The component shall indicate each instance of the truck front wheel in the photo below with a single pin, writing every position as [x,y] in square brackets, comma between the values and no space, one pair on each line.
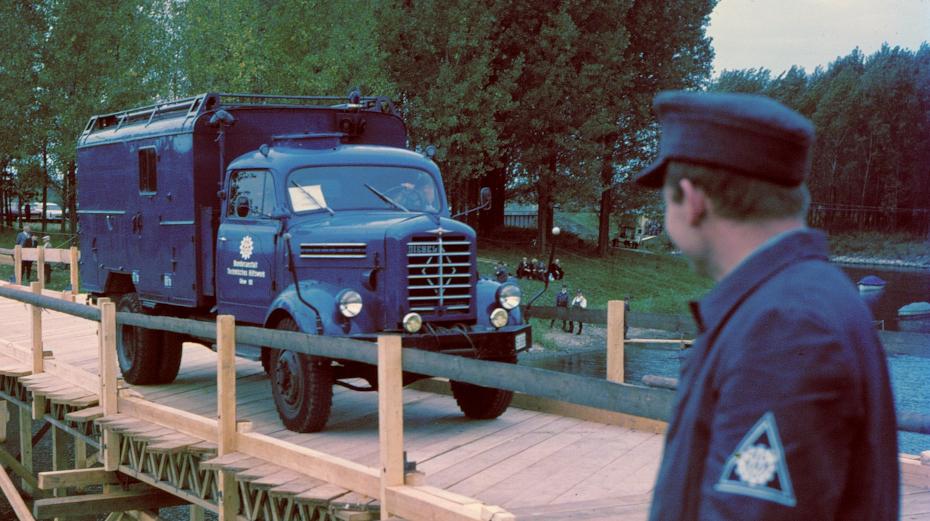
[302,386]
[481,403]
[145,356]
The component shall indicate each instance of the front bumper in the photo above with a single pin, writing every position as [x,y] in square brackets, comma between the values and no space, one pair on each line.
[474,342]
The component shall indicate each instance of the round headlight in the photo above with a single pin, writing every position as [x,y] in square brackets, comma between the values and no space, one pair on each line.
[499,318]
[350,303]
[509,296]
[412,322]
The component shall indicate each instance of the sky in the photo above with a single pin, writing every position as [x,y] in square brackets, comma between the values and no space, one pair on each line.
[777,34]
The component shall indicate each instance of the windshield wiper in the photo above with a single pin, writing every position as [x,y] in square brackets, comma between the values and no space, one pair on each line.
[314,199]
[385,198]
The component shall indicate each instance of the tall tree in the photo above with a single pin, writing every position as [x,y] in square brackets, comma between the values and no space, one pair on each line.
[668,49]
[442,61]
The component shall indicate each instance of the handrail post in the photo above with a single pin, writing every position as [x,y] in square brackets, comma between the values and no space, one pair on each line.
[18,264]
[108,382]
[38,352]
[390,416]
[615,339]
[40,265]
[75,284]
[226,412]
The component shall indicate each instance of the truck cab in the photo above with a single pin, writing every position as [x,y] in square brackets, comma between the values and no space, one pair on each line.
[298,213]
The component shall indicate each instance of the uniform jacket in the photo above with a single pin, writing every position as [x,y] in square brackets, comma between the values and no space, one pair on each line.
[25,240]
[561,299]
[784,409]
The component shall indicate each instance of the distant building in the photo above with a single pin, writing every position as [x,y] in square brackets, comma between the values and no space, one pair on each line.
[521,215]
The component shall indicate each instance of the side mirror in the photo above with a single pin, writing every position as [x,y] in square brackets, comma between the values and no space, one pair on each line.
[485,196]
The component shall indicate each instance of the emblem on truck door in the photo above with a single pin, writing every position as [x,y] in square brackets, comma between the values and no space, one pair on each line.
[245,247]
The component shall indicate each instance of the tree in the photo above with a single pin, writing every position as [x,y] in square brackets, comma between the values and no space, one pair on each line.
[668,49]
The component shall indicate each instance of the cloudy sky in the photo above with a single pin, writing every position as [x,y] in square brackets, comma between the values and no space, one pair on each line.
[777,34]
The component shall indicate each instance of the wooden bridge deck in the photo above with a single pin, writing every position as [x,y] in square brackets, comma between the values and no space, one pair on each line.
[533,464]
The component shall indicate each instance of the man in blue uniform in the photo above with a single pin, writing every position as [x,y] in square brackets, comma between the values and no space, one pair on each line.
[784,408]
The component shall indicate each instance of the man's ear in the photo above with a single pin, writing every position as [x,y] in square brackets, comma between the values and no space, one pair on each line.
[694,201]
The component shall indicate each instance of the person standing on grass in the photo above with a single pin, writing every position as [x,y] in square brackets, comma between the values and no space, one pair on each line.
[784,409]
[579,302]
[561,302]
[26,239]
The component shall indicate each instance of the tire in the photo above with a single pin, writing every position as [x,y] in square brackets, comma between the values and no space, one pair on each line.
[171,351]
[302,386]
[138,350]
[481,403]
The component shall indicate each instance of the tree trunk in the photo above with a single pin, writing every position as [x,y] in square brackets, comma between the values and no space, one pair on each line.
[44,187]
[544,208]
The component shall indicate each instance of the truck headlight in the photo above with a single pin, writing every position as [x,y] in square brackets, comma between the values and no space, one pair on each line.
[499,318]
[412,322]
[509,296]
[350,303]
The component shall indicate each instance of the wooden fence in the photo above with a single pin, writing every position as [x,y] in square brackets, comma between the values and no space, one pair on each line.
[41,256]
[388,483]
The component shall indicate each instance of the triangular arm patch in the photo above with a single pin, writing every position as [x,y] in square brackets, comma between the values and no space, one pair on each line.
[757,467]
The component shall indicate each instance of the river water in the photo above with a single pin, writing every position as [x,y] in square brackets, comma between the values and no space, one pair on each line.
[908,373]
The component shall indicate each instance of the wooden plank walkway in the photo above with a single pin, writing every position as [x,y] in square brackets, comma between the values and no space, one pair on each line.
[538,466]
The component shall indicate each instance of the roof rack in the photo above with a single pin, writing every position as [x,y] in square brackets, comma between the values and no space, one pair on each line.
[199,104]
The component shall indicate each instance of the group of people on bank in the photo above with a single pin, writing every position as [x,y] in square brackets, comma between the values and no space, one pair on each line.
[537,270]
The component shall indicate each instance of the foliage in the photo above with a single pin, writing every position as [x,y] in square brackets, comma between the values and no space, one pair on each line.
[870,163]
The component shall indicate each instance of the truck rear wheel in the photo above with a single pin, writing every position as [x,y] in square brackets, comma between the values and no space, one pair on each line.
[481,403]
[144,355]
[302,386]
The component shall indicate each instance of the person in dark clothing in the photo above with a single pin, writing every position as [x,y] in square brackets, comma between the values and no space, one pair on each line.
[555,270]
[541,272]
[523,269]
[561,301]
[500,272]
[531,270]
[784,409]
[26,239]
[626,316]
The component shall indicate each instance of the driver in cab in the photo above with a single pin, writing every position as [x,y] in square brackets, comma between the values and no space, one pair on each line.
[419,196]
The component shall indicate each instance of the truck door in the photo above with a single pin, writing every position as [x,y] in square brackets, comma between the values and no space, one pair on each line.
[246,244]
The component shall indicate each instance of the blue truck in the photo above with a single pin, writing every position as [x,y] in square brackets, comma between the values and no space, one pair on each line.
[289,212]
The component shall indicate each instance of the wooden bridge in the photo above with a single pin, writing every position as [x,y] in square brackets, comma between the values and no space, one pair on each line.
[212,439]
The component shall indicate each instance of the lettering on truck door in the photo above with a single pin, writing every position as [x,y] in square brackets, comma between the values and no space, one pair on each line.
[245,250]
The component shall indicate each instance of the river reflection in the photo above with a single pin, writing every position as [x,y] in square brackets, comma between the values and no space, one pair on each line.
[902,287]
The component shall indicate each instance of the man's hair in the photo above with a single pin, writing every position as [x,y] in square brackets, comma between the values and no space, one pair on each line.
[739,197]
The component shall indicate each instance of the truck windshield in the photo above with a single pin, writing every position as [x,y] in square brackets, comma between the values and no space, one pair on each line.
[344,188]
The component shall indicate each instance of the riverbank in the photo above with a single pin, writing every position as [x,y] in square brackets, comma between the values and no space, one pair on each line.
[893,250]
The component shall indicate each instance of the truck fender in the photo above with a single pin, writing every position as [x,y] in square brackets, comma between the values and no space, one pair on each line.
[288,303]
[486,294]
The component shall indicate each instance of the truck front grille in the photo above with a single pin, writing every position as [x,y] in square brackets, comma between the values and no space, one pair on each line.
[332,250]
[439,274]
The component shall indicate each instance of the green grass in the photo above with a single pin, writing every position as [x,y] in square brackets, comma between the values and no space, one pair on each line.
[880,245]
[60,272]
[657,283]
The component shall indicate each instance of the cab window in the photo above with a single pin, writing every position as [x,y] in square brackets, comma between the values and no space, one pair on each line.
[251,194]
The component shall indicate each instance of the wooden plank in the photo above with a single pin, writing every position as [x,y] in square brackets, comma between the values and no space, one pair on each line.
[12,496]
[138,498]
[390,416]
[615,318]
[24,473]
[73,257]
[18,264]
[77,478]
[38,356]
[226,383]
